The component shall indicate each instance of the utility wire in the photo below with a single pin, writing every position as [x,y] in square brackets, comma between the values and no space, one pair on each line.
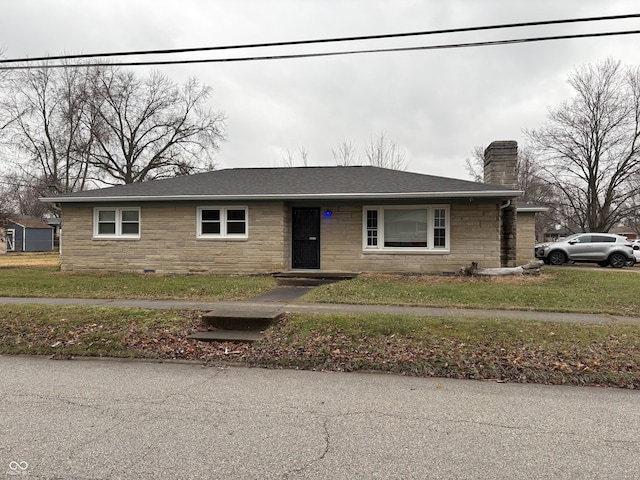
[328,54]
[325,40]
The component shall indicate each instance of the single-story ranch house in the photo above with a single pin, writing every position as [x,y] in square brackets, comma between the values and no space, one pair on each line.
[325,219]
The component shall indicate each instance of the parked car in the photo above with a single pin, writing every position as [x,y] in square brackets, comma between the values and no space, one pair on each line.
[635,244]
[601,248]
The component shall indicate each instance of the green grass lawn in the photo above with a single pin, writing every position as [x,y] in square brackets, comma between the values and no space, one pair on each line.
[48,281]
[498,349]
[561,290]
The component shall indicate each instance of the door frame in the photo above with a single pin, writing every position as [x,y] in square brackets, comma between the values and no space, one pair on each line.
[11,245]
[317,238]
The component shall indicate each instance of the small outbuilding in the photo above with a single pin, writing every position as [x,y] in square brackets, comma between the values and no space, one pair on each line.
[27,234]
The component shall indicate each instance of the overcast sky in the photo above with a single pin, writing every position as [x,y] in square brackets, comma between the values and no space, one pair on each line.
[436,105]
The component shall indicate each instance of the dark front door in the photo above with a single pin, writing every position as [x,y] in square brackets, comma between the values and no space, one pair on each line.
[306,238]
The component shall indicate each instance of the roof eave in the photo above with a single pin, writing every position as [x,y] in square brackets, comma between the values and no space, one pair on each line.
[305,196]
[532,209]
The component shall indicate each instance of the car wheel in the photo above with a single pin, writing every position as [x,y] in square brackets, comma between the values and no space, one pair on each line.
[630,263]
[557,258]
[617,260]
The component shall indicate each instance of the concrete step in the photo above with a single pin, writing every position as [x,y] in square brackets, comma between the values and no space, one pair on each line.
[245,317]
[311,279]
[227,336]
[316,274]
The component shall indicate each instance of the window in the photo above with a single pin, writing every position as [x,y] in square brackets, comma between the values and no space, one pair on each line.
[116,223]
[406,228]
[372,228]
[222,222]
[602,238]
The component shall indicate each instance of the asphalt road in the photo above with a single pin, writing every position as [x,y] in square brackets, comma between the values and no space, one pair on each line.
[93,419]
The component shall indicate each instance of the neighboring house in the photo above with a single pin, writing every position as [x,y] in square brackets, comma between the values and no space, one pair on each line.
[555,235]
[266,220]
[26,234]
[628,232]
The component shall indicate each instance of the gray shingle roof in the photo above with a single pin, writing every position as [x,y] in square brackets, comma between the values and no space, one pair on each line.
[294,182]
[29,222]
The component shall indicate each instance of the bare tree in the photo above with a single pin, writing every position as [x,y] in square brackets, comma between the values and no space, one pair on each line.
[151,128]
[475,164]
[289,157]
[304,155]
[590,147]
[47,109]
[5,118]
[21,196]
[385,153]
[345,154]
[536,189]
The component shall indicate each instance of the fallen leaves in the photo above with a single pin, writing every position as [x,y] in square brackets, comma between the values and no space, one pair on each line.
[579,355]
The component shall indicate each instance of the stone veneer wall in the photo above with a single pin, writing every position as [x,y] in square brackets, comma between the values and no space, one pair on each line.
[526,237]
[474,236]
[168,243]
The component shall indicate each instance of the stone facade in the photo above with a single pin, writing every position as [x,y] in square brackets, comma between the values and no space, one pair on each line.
[168,243]
[473,237]
[500,162]
[526,237]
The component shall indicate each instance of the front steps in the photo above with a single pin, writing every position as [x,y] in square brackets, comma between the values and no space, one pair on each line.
[311,278]
[229,322]
[240,323]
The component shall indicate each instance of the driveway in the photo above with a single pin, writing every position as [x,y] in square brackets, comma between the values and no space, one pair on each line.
[92,419]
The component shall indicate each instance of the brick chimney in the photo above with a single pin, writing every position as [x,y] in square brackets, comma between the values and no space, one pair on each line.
[500,159]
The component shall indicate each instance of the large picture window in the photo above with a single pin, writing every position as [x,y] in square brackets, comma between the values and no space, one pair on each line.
[406,228]
[222,222]
[116,223]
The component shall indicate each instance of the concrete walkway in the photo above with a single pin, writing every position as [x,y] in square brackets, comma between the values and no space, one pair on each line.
[295,306]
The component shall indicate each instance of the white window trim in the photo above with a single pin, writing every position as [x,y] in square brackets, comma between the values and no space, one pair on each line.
[429,249]
[118,221]
[223,235]
[11,245]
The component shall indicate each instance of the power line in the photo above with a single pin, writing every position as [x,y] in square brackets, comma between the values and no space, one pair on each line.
[325,40]
[329,54]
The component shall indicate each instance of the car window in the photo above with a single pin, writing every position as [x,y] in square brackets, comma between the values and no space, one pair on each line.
[602,238]
[583,239]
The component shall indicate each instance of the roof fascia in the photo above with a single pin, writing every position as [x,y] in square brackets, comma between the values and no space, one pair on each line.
[532,209]
[304,196]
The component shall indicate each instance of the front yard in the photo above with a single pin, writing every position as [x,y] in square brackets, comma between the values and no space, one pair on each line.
[492,349]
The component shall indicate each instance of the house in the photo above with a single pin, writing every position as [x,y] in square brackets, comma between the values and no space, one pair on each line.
[265,220]
[555,235]
[629,232]
[27,234]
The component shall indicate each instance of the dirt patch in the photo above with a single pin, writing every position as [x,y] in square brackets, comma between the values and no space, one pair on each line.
[47,259]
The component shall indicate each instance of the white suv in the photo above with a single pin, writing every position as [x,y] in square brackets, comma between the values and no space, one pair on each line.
[601,248]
